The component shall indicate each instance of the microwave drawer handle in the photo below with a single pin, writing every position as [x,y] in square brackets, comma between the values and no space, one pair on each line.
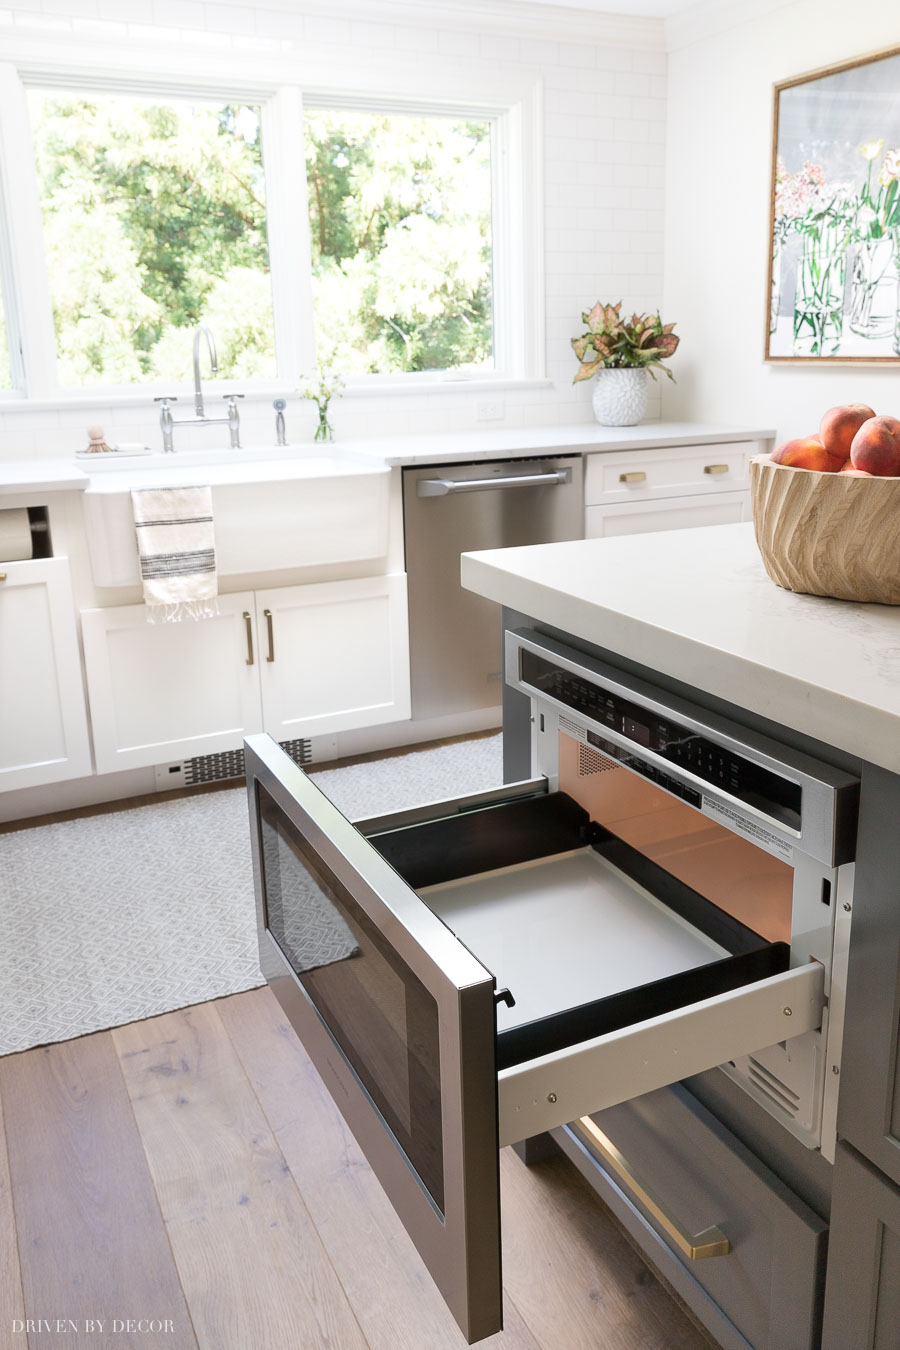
[448,487]
[695,1246]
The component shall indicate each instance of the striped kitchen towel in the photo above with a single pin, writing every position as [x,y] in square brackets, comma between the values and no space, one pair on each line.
[177,551]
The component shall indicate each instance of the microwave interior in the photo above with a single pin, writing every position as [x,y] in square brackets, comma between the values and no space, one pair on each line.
[600,905]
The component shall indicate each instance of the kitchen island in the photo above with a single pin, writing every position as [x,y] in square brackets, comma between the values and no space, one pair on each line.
[695,614]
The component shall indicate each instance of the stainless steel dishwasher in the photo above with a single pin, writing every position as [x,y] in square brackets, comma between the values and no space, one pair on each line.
[455,638]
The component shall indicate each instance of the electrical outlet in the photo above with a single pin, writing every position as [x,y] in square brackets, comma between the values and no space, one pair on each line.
[491,410]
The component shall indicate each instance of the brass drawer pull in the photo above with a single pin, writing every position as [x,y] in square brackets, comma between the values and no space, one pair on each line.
[2,576]
[271,635]
[695,1246]
[715,468]
[249,637]
[635,476]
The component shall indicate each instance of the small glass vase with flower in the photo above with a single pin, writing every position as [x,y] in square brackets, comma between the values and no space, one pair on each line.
[324,385]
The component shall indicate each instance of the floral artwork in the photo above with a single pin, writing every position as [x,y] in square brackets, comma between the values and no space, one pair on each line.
[834,264]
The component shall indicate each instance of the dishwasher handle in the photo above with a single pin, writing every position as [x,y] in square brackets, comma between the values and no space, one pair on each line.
[447,487]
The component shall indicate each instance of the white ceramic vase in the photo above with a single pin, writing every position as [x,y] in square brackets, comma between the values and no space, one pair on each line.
[620,397]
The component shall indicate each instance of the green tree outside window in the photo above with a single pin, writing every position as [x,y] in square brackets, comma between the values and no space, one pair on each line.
[400,225]
[154,221]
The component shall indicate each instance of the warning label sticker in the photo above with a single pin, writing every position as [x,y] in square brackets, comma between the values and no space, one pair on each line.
[749,829]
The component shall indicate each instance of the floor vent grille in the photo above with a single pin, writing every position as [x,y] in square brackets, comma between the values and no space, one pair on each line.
[230,763]
[772,1087]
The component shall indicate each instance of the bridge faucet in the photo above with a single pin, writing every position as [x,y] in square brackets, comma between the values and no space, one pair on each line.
[203,331]
[232,420]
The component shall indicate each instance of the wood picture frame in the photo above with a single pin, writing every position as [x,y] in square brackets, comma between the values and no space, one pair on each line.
[833,292]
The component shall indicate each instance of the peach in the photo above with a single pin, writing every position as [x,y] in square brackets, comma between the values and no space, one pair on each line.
[854,473]
[806,452]
[839,425]
[876,447]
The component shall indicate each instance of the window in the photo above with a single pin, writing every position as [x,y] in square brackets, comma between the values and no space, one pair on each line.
[401,241]
[154,218]
[140,205]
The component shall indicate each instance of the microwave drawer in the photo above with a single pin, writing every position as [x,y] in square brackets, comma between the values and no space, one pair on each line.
[471,973]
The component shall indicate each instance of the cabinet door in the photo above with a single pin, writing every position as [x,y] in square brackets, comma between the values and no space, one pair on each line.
[333,656]
[862,1292]
[170,690]
[43,726]
[672,513]
[869,1101]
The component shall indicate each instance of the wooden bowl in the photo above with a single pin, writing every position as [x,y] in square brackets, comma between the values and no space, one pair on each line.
[828,533]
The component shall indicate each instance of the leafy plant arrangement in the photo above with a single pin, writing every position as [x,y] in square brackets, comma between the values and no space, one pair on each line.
[324,385]
[614,343]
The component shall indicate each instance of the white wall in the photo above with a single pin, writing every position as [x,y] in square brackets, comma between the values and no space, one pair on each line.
[718,167]
[604,134]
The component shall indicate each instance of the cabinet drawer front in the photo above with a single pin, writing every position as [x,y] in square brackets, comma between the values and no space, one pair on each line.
[666,513]
[665,472]
[688,1172]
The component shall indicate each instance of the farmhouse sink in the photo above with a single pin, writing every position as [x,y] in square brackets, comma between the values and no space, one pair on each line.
[273,508]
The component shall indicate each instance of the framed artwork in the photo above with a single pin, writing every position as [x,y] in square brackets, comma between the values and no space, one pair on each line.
[834,255]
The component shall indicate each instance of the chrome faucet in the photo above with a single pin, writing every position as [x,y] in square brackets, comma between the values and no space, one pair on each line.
[203,331]
[232,420]
[279,405]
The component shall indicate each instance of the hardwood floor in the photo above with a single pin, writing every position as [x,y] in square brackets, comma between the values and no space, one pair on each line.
[189,1175]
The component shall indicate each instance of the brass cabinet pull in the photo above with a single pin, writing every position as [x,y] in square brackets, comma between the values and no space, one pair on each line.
[635,476]
[249,637]
[271,635]
[2,576]
[695,1246]
[715,468]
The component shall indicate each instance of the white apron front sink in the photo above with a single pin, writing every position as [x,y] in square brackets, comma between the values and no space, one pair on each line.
[273,508]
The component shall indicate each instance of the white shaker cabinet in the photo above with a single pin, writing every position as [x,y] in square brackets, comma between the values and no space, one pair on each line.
[334,656]
[170,690]
[673,513]
[667,488]
[43,725]
[295,661]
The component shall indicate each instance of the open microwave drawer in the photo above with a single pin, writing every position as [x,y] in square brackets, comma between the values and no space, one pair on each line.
[397,946]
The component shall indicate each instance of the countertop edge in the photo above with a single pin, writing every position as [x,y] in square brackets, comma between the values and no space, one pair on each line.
[784,699]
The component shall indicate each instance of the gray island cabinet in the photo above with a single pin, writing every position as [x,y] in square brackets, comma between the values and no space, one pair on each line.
[808,1250]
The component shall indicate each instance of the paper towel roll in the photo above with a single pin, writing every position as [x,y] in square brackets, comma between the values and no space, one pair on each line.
[15,535]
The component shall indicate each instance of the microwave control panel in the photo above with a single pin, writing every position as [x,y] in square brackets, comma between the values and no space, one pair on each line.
[777,797]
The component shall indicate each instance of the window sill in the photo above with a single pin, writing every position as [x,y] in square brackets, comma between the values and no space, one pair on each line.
[87,399]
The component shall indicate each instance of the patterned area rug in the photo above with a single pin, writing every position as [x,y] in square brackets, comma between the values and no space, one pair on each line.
[112,918]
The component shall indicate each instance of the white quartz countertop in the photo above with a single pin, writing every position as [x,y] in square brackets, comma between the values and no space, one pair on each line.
[697,606]
[21,476]
[581,439]
[18,477]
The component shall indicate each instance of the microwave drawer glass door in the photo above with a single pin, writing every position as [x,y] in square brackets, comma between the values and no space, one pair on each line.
[398,1018]
[385,942]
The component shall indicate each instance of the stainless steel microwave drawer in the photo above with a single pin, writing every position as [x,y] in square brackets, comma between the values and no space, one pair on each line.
[471,973]
[743,1251]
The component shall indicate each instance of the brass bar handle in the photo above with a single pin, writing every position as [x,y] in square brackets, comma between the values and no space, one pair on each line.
[2,576]
[635,476]
[715,468]
[249,637]
[271,635]
[695,1246]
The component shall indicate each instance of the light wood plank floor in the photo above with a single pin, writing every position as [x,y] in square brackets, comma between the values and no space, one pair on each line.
[190,1174]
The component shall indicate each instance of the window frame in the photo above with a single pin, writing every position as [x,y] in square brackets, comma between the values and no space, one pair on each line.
[513,106]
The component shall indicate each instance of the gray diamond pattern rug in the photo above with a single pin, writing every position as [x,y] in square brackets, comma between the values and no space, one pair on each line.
[111,918]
